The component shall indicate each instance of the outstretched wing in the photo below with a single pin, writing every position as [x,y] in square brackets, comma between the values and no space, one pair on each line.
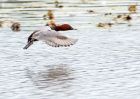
[60,41]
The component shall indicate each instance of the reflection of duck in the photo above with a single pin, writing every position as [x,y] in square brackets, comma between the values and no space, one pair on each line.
[57,72]
[52,76]
[132,8]
[49,15]
[50,37]
[104,25]
[15,26]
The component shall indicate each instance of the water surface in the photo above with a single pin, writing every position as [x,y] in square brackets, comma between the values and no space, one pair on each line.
[103,64]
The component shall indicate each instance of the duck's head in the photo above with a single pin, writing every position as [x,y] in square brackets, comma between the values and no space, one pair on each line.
[128,18]
[15,27]
[110,24]
[31,39]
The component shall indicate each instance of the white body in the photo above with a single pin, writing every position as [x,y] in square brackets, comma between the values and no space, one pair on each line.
[50,37]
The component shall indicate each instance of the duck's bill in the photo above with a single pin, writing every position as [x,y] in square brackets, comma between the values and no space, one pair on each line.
[28,45]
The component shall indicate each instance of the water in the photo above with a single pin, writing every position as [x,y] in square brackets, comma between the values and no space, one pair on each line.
[103,64]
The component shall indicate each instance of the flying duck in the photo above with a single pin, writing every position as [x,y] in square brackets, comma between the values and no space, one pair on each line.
[50,37]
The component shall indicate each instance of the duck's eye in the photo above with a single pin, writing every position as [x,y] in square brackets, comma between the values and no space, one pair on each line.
[35,40]
[16,27]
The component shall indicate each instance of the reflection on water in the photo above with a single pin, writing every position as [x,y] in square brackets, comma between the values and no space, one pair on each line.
[101,65]
[52,75]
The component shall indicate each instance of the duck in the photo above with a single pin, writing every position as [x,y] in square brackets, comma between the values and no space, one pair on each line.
[14,25]
[122,18]
[108,14]
[57,4]
[132,8]
[59,27]
[50,37]
[128,18]
[104,25]
[1,23]
[91,11]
